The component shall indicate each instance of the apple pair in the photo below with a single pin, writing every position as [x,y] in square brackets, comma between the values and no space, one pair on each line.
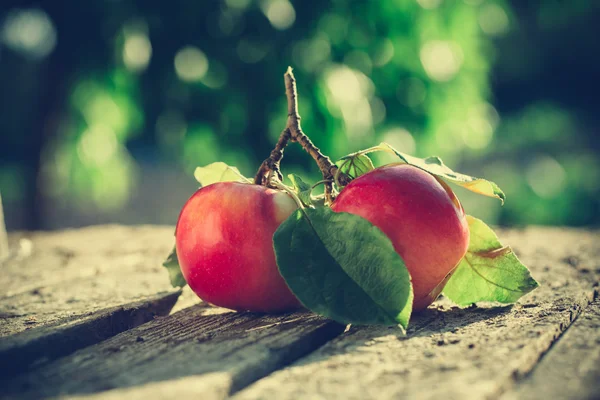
[225,230]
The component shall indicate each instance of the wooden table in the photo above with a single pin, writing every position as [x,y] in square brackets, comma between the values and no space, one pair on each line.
[89,313]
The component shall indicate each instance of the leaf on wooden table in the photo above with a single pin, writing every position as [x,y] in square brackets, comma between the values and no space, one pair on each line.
[489,271]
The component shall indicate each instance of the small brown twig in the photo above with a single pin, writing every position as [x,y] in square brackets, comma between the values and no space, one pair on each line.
[272,164]
[293,132]
[328,169]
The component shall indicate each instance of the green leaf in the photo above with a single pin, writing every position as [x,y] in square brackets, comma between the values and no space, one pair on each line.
[218,172]
[435,166]
[172,266]
[302,189]
[355,165]
[341,266]
[489,271]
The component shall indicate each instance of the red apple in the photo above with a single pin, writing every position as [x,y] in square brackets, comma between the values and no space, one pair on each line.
[224,240]
[422,217]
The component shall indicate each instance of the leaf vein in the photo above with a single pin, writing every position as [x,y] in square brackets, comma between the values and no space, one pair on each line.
[488,280]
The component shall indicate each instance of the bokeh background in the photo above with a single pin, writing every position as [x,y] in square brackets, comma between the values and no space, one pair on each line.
[107,106]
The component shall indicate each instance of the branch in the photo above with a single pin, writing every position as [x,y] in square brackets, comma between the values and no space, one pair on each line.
[328,169]
[272,164]
[270,168]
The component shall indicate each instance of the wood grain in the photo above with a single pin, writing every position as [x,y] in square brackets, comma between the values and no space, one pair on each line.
[475,353]
[571,369]
[54,276]
[483,352]
[220,353]
[41,345]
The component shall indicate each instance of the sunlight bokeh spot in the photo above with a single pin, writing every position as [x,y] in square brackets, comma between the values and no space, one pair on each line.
[400,138]
[97,145]
[359,60]
[103,108]
[546,177]
[493,20]
[216,77]
[312,54]
[281,13]
[335,26]
[345,85]
[441,59]
[227,22]
[378,110]
[137,51]
[481,122]
[29,32]
[112,188]
[349,94]
[383,53]
[191,64]
[478,132]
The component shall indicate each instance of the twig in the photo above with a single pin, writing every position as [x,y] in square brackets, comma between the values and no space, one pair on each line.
[293,132]
[272,164]
[328,169]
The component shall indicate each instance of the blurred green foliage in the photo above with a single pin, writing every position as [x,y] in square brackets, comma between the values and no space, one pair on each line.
[180,84]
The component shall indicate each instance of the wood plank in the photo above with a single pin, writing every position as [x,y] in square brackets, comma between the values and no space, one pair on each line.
[571,369]
[214,355]
[41,345]
[52,276]
[452,353]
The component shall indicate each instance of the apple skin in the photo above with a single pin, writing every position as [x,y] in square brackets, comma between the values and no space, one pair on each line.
[422,217]
[224,241]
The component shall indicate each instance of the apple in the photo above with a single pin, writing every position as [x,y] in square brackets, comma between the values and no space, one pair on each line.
[422,217]
[224,240]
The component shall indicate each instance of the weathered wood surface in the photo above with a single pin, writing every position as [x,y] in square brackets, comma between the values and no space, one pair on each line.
[225,352]
[450,353]
[51,277]
[571,370]
[41,345]
[205,352]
